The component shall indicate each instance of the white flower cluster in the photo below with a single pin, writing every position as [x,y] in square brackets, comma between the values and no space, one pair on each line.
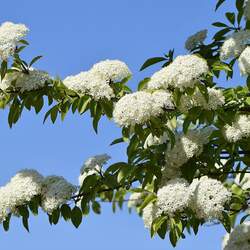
[235,44]
[215,100]
[239,238]
[195,40]
[208,198]
[187,146]
[173,196]
[244,61]
[92,166]
[183,72]
[113,70]
[240,129]
[205,197]
[150,213]
[33,80]
[90,83]
[27,184]
[139,107]
[21,189]
[10,35]
[247,9]
[56,191]
[96,81]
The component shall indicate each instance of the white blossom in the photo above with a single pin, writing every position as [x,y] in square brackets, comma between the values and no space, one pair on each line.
[91,83]
[92,166]
[173,196]
[215,100]
[34,79]
[183,72]
[240,129]
[56,191]
[187,146]
[239,238]
[112,70]
[244,61]
[235,44]
[19,191]
[195,40]
[150,213]
[208,198]
[139,107]
[10,35]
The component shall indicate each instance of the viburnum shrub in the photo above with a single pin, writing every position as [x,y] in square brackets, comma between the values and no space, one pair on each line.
[188,140]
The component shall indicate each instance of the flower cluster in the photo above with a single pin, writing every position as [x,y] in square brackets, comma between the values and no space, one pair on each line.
[172,197]
[10,35]
[183,72]
[195,40]
[244,61]
[240,129]
[239,238]
[208,198]
[92,166]
[186,147]
[90,83]
[55,192]
[150,213]
[205,197]
[139,107]
[26,184]
[21,189]
[25,81]
[215,100]
[113,70]
[96,81]
[235,44]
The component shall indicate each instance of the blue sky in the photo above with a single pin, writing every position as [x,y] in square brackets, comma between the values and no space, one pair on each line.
[72,35]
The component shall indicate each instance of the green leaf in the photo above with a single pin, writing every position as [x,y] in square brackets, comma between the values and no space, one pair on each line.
[34,205]
[152,61]
[219,24]
[116,141]
[149,199]
[55,216]
[6,223]
[4,66]
[143,84]
[26,223]
[35,59]
[23,42]
[226,222]
[231,17]
[219,3]
[83,103]
[66,212]
[239,5]
[76,216]
[96,207]
[123,173]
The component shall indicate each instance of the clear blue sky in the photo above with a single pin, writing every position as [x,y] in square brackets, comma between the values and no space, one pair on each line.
[72,35]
